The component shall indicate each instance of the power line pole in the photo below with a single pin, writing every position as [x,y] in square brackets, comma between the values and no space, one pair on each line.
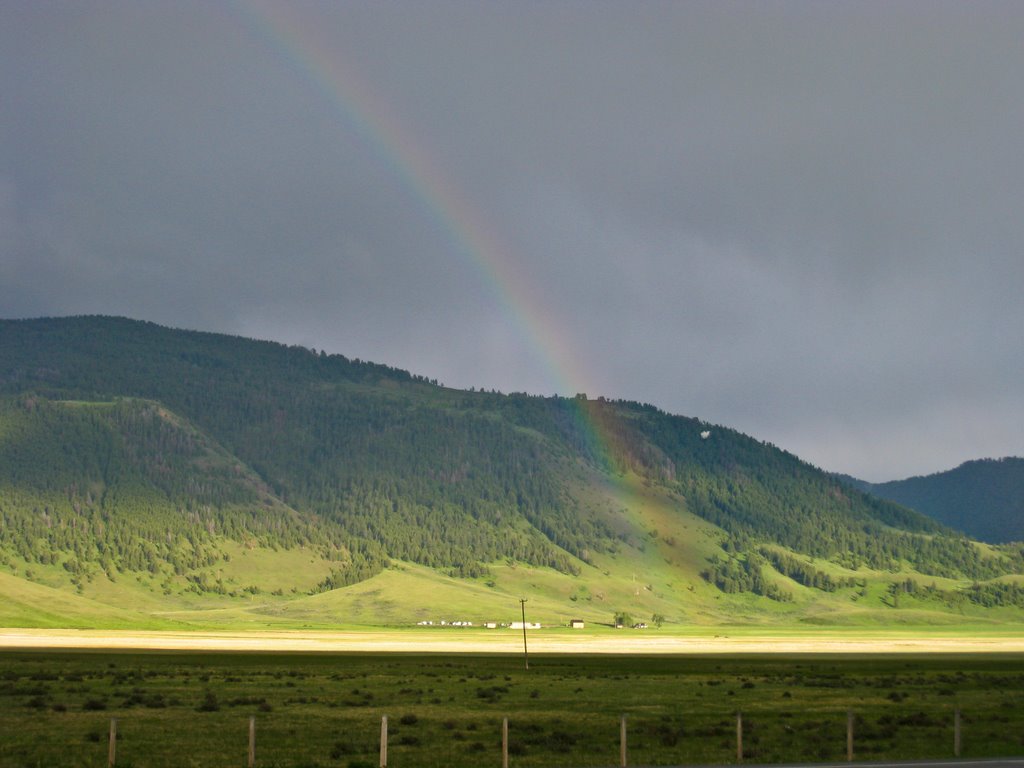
[526,657]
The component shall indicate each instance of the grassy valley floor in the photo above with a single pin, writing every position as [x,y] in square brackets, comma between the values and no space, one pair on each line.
[315,710]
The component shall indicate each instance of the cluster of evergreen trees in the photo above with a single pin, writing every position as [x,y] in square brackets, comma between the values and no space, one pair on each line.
[122,486]
[992,594]
[804,573]
[371,454]
[743,574]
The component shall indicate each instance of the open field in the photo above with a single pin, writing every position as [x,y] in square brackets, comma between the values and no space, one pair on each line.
[324,709]
[551,641]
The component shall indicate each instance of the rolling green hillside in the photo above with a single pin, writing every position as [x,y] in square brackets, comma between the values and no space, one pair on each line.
[198,478]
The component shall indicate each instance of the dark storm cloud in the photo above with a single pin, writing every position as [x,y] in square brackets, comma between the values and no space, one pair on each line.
[799,219]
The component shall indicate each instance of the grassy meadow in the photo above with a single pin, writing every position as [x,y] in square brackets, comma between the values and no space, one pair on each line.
[659,574]
[193,709]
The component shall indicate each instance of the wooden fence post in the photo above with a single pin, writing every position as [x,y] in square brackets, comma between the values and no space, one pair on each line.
[252,742]
[622,742]
[384,741]
[504,743]
[739,737]
[956,732]
[849,735]
[112,744]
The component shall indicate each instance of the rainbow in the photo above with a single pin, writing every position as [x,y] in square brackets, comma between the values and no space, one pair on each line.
[286,32]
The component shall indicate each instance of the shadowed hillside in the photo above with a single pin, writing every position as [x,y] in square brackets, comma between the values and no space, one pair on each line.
[984,499]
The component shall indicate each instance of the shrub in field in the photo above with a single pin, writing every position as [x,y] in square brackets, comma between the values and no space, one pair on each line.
[209,703]
[340,749]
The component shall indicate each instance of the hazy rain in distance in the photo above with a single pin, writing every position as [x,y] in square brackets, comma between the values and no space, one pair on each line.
[801,220]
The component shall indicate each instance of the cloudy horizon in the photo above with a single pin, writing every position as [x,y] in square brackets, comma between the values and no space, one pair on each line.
[800,220]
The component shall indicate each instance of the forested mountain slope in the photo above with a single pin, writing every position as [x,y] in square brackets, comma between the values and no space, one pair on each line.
[984,498]
[129,448]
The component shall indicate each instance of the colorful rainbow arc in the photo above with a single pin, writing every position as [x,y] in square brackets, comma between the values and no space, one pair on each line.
[299,40]
[281,28]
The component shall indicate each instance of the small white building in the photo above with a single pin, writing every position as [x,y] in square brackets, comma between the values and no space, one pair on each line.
[576,623]
[529,625]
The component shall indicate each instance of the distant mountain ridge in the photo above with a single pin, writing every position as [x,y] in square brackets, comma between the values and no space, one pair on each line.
[197,470]
[983,498]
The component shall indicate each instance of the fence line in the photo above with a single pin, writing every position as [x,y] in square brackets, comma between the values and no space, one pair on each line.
[504,742]
[739,737]
[849,735]
[622,742]
[623,748]
[112,743]
[252,742]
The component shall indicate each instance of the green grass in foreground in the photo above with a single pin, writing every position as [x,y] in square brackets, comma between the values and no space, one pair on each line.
[192,709]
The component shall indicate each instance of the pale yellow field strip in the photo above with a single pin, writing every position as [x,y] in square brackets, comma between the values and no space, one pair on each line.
[495,642]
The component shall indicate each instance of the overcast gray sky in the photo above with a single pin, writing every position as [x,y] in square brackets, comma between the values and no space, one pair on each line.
[801,220]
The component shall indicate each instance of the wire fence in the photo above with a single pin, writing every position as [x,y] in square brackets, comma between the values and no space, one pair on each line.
[762,738]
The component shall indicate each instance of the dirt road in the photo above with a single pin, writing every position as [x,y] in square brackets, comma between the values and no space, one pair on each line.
[500,641]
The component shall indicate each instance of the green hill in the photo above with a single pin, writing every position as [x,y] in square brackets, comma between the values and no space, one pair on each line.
[199,478]
[984,498]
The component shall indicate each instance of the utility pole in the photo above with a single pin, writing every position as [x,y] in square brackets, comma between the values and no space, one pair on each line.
[526,656]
